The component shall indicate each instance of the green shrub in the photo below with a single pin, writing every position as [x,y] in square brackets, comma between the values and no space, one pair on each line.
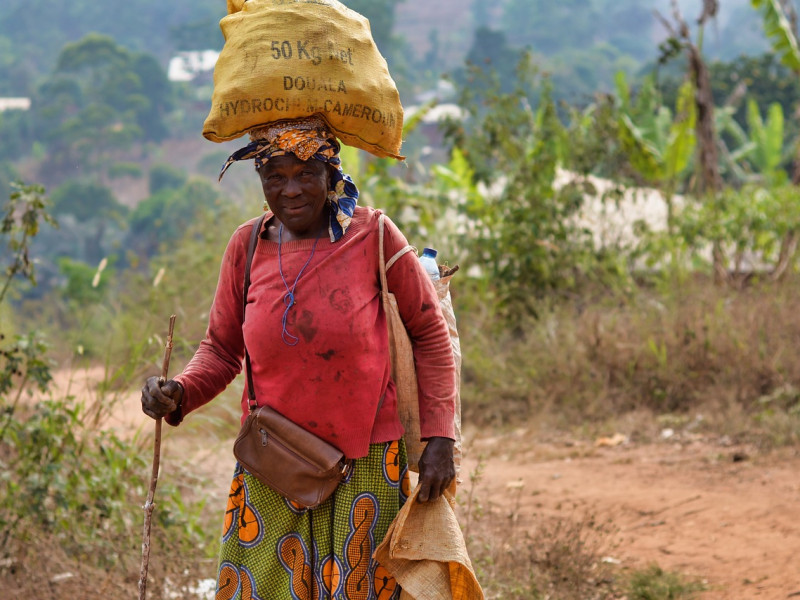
[653,583]
[63,478]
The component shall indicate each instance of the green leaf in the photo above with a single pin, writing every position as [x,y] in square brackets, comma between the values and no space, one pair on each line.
[767,139]
[779,30]
[774,135]
[681,141]
[644,156]
[623,92]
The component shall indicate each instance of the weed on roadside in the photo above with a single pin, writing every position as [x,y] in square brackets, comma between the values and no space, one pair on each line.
[70,509]
[703,349]
[558,558]
[653,583]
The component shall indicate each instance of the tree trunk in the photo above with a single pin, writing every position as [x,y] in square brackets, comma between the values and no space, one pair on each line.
[788,251]
[709,180]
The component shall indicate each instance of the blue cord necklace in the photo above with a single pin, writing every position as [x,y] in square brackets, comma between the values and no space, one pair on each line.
[289,299]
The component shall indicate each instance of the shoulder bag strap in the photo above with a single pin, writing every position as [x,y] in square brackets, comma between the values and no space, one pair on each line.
[251,250]
[384,265]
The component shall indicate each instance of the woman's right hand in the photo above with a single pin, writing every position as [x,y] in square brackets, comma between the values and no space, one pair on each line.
[160,399]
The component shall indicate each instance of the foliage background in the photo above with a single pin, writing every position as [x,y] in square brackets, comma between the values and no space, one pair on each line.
[567,116]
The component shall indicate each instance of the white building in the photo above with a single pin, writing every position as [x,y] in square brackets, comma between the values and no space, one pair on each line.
[185,66]
[14,104]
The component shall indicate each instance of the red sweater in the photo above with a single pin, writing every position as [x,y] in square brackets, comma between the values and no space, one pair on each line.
[330,383]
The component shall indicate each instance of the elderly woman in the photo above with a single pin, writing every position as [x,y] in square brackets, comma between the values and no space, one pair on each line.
[315,331]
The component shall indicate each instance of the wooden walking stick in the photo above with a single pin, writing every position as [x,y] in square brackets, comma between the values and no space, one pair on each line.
[148,505]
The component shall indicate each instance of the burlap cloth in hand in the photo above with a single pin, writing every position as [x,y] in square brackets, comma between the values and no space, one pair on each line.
[424,550]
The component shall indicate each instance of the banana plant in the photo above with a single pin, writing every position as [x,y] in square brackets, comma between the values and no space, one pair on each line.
[733,160]
[759,151]
[780,31]
[659,145]
[784,43]
[767,139]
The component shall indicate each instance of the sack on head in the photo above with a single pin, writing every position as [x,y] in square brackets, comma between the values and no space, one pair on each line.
[287,59]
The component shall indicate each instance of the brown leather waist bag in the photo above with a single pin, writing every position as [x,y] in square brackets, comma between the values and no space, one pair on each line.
[287,458]
[292,461]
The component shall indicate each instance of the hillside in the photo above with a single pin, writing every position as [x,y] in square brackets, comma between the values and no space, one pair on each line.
[452,19]
[733,33]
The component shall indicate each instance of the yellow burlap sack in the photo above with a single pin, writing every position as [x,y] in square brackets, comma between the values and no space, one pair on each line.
[286,59]
[404,373]
[424,551]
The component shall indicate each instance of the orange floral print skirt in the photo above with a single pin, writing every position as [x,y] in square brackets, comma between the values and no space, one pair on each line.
[273,550]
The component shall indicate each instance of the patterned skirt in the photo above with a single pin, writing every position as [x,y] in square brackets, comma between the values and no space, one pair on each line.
[273,550]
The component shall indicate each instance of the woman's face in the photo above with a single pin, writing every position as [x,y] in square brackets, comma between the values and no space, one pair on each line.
[296,192]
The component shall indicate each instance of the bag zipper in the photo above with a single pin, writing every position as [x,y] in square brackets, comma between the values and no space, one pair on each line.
[275,440]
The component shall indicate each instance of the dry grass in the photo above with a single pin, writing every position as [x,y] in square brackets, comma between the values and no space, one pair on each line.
[729,355]
[559,558]
[40,568]
[518,555]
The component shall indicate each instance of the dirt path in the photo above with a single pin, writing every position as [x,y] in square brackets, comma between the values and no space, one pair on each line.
[688,507]
[720,513]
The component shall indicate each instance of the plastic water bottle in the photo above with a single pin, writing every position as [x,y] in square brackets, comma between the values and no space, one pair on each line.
[428,260]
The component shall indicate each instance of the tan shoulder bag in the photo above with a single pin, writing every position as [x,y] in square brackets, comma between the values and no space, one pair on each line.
[401,354]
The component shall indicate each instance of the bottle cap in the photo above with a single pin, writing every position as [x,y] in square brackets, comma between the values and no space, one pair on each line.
[429,252]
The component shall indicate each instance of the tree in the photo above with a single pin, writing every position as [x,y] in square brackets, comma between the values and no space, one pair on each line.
[490,52]
[581,43]
[659,145]
[708,180]
[38,29]
[100,100]
[16,133]
[734,84]
[154,86]
[766,149]
[780,25]
[94,207]
[24,213]
[166,177]
[760,78]
[197,35]
[16,75]
[22,358]
[549,27]
[524,233]
[167,214]
[380,14]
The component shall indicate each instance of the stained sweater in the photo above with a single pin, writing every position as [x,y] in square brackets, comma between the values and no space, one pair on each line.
[331,382]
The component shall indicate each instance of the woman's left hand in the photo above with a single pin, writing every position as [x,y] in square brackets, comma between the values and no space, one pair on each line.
[436,468]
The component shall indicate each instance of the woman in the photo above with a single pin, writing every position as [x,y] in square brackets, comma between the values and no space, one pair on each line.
[316,335]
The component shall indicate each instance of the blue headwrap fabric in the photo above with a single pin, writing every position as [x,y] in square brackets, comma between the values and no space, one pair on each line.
[305,138]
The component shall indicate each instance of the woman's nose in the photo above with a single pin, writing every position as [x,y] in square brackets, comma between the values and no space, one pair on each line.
[292,188]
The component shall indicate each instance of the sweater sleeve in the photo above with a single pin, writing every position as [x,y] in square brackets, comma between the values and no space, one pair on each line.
[419,308]
[218,359]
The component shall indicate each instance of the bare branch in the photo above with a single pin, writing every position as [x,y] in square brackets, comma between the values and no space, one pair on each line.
[149,504]
[667,25]
[683,28]
[710,9]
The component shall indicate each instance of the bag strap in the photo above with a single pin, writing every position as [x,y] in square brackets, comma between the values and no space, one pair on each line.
[385,266]
[251,250]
